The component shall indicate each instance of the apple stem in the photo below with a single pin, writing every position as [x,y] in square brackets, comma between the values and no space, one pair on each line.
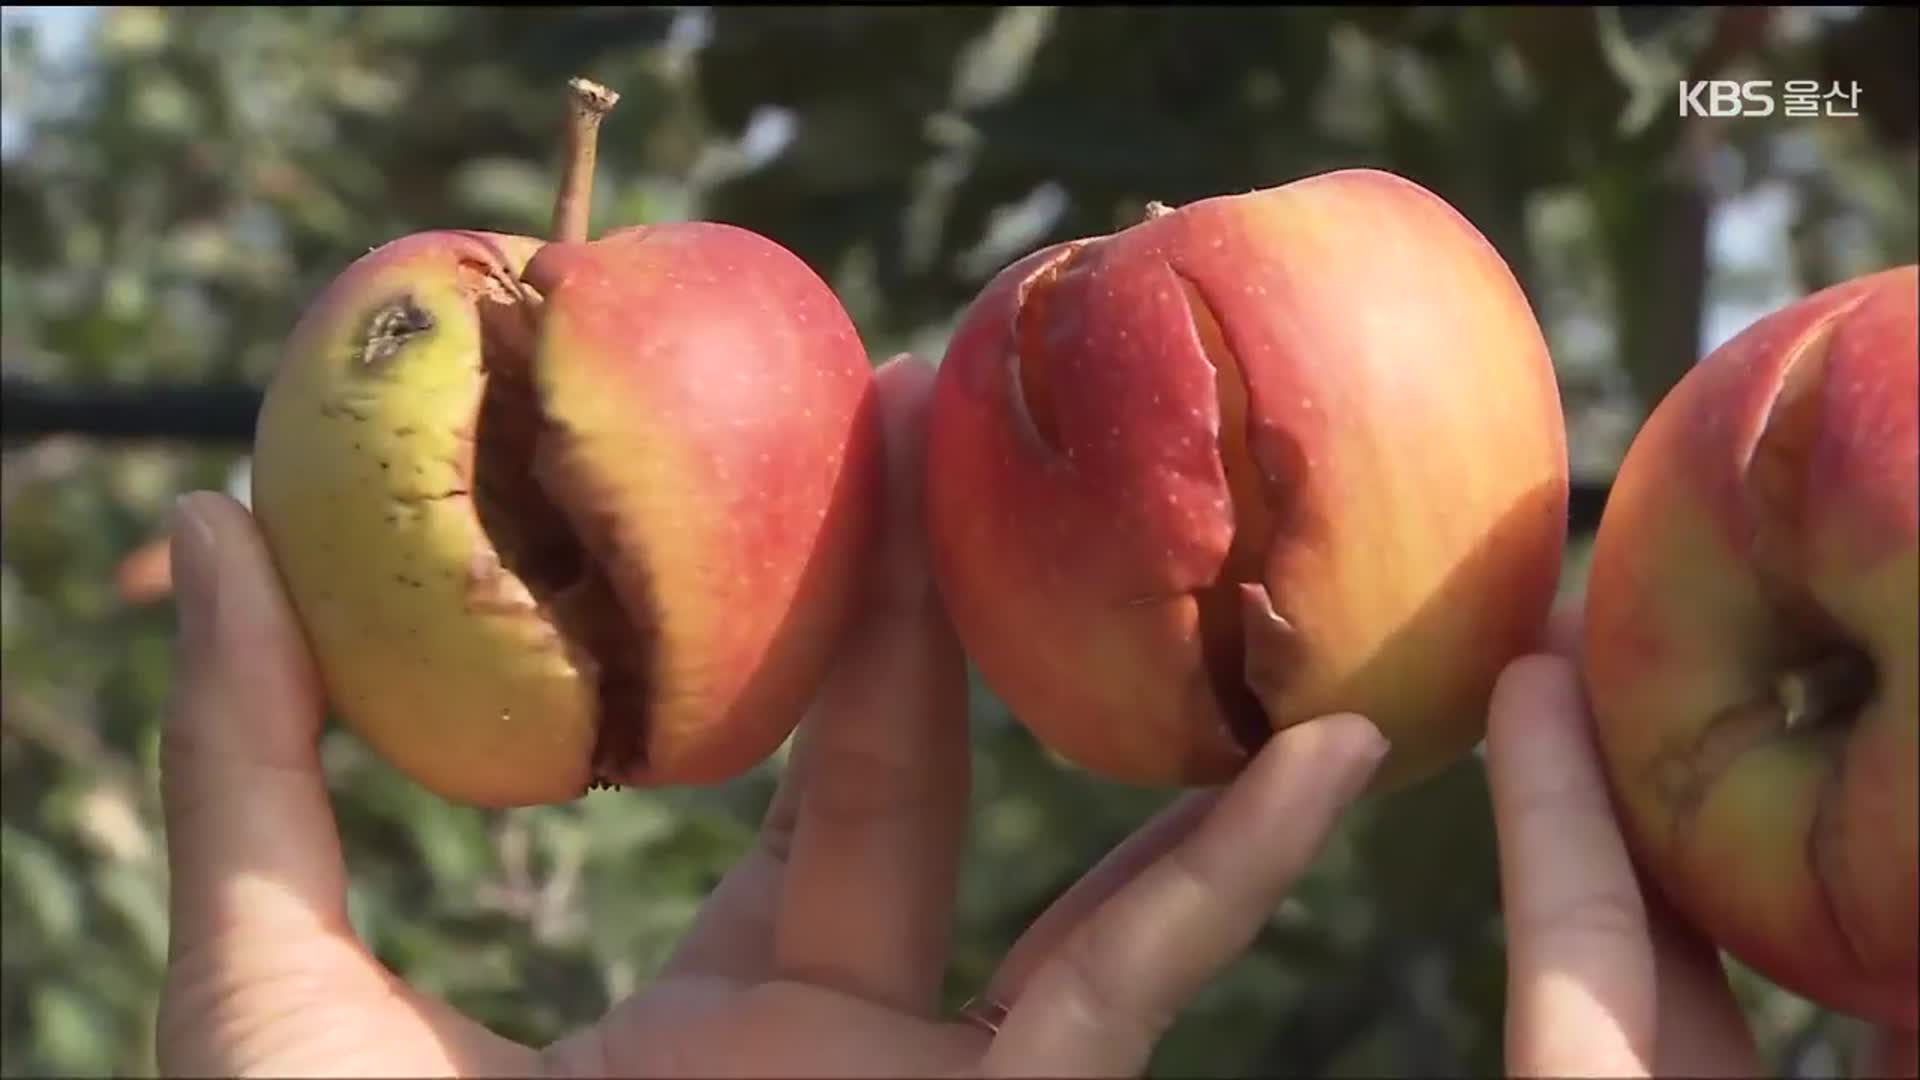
[587,103]
[1158,209]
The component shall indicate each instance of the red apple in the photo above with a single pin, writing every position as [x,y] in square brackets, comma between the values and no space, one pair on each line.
[1261,458]
[1750,646]
[561,512]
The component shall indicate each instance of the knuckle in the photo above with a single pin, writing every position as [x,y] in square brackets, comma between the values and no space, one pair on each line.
[1204,880]
[1099,998]
[1603,915]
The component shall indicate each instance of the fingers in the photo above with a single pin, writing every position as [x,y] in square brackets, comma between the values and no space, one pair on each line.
[1701,1031]
[866,905]
[251,842]
[1097,1004]
[1121,865]
[261,957]
[1563,629]
[733,936]
[1580,966]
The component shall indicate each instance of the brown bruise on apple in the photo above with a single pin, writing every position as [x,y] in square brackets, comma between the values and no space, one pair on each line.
[1821,682]
[538,563]
[1247,649]
[389,329]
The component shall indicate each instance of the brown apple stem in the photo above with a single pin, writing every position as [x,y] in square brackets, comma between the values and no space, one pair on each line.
[1830,689]
[587,103]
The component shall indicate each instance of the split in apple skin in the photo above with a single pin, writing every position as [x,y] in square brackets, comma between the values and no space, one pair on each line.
[1257,459]
[557,513]
[1751,643]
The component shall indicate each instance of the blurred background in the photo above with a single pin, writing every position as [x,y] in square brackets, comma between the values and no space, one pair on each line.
[176,182]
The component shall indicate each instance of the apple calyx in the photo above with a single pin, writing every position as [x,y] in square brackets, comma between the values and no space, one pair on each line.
[1801,701]
[1829,691]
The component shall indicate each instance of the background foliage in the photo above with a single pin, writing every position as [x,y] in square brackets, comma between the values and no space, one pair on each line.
[177,185]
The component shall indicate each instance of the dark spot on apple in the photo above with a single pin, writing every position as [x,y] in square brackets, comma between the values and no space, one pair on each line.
[348,403]
[389,329]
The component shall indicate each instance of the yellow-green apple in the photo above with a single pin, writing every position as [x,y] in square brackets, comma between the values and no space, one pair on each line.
[1260,458]
[563,513]
[1750,640]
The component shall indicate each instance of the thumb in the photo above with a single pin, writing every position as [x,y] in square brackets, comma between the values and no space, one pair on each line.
[251,842]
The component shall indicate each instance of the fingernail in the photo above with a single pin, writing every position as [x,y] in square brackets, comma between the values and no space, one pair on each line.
[195,580]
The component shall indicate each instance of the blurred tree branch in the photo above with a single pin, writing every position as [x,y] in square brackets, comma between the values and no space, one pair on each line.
[1662,270]
[224,415]
[185,412]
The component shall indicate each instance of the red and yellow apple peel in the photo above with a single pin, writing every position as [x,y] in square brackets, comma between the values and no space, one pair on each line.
[1750,646]
[1254,460]
[557,513]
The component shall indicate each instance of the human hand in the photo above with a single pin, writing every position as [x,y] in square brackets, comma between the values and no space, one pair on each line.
[1603,979]
[820,953]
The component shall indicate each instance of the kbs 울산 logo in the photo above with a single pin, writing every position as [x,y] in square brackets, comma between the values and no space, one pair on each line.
[1757,97]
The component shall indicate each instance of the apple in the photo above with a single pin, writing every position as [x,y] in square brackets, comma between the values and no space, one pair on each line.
[564,512]
[1250,461]
[1750,646]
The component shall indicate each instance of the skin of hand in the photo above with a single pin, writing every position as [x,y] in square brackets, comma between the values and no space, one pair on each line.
[822,950]
[1603,978]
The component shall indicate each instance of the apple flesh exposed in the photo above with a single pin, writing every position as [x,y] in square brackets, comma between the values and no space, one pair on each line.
[562,513]
[1262,458]
[1750,646]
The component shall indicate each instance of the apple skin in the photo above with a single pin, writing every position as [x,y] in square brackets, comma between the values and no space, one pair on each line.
[1750,531]
[1331,396]
[694,408]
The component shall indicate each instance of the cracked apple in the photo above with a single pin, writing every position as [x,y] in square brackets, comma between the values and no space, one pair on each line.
[1750,646]
[557,513]
[1251,461]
